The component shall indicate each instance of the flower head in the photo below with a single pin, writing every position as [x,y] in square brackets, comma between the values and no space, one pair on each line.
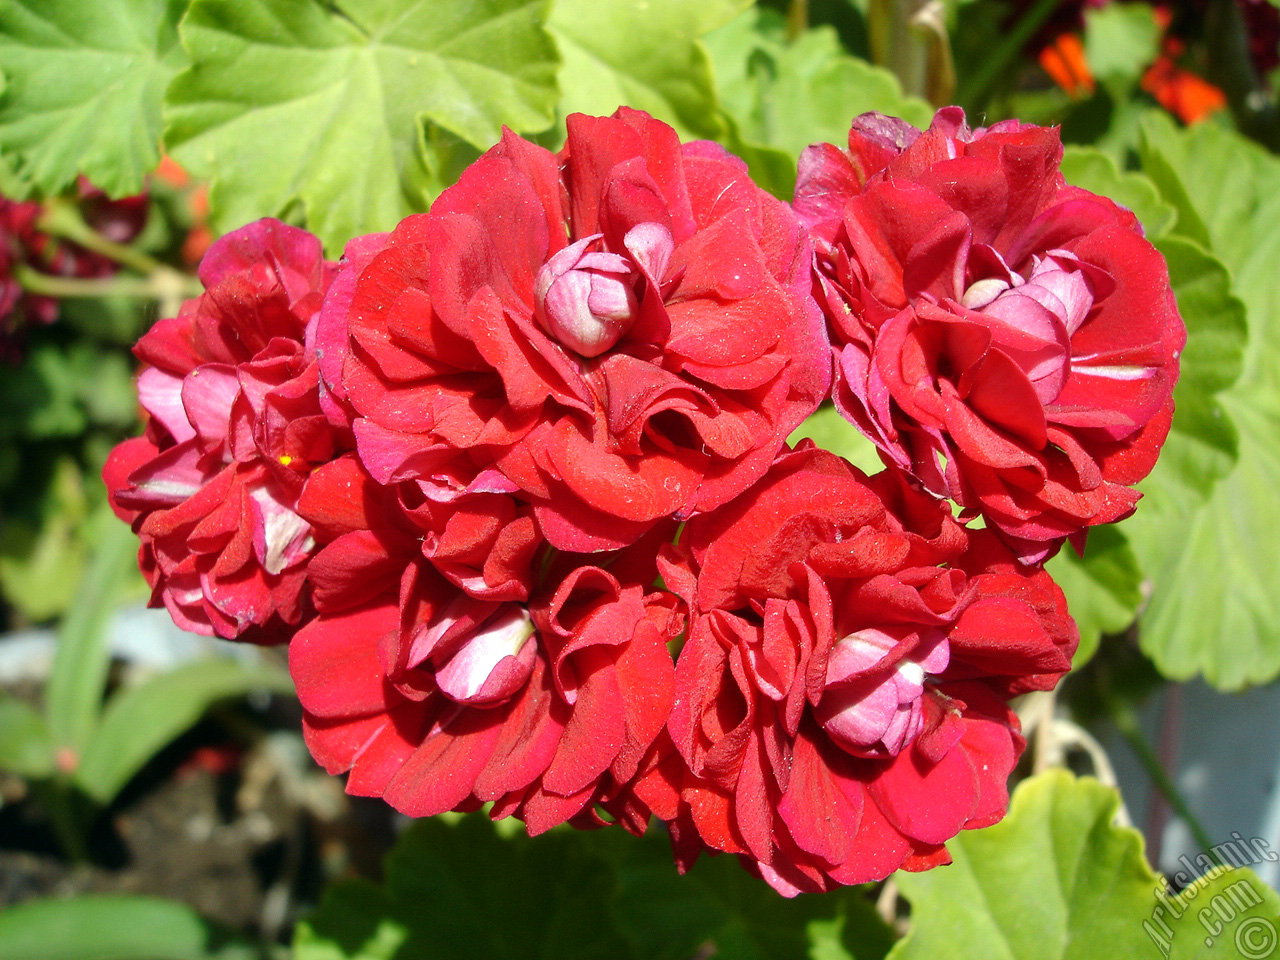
[1009,340]
[235,427]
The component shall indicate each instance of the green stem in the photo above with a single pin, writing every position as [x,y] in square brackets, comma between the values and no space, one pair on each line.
[973,92]
[163,282]
[62,219]
[1126,722]
[797,19]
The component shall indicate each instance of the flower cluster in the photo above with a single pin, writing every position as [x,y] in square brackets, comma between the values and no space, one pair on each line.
[513,480]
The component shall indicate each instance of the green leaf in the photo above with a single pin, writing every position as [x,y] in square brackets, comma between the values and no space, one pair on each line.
[461,891]
[830,431]
[73,696]
[1098,172]
[642,55]
[780,97]
[139,721]
[84,88]
[718,909]
[1104,589]
[113,928]
[1120,40]
[1055,880]
[322,104]
[25,745]
[1213,566]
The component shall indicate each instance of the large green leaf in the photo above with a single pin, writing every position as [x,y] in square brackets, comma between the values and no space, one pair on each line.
[782,96]
[642,55]
[323,104]
[461,891]
[113,928]
[1057,880]
[719,906]
[139,721]
[84,88]
[1213,566]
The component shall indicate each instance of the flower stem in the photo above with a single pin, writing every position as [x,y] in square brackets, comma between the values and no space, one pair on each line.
[62,219]
[1126,721]
[163,283]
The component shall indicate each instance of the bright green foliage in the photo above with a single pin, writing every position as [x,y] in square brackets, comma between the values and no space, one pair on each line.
[293,102]
[1055,880]
[782,96]
[1104,588]
[84,83]
[113,928]
[1213,566]
[643,55]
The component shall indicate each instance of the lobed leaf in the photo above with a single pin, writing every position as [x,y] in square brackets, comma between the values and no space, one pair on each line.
[781,96]
[323,105]
[1213,565]
[643,55]
[1055,880]
[83,89]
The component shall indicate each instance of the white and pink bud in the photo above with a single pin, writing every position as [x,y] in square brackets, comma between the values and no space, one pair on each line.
[873,704]
[586,300]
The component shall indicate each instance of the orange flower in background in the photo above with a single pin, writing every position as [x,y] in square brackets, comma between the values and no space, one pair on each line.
[1063,60]
[1184,94]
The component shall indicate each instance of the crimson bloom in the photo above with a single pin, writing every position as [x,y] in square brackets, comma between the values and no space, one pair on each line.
[623,332]
[235,428]
[456,660]
[1009,340]
[841,698]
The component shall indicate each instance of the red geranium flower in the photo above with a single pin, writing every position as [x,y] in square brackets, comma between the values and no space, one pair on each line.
[623,330]
[456,660]
[1009,340]
[236,426]
[840,702]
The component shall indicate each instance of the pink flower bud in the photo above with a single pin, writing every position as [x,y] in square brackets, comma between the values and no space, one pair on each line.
[872,708]
[586,301]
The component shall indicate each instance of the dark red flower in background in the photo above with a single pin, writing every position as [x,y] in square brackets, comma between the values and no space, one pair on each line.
[232,389]
[1010,341]
[24,244]
[622,332]
[455,660]
[840,701]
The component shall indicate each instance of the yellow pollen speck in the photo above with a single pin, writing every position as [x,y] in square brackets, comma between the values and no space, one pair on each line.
[285,459]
